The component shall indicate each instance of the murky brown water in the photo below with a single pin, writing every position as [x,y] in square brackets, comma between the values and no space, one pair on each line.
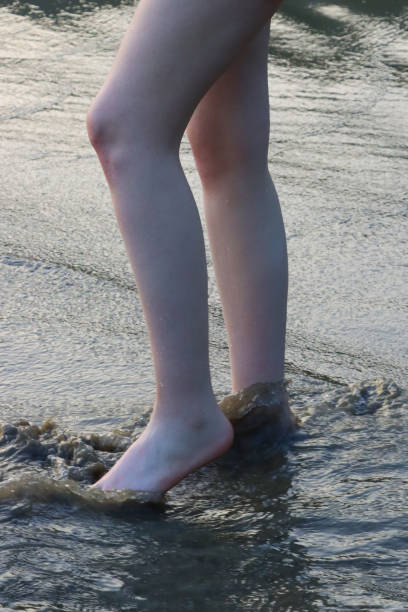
[316,523]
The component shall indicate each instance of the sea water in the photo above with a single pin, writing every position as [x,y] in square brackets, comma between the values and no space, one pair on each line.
[317,524]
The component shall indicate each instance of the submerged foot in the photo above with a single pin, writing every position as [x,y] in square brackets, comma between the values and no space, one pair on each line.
[168,449]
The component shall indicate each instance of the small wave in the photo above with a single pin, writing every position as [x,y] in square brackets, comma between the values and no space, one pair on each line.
[42,489]
[367,397]
[260,415]
[60,465]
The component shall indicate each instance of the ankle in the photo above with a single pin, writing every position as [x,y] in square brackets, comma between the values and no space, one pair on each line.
[192,407]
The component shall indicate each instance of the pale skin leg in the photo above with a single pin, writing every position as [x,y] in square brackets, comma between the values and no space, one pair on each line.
[229,136]
[171,54]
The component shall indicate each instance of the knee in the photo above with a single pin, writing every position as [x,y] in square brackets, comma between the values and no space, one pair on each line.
[118,133]
[95,126]
[103,128]
[103,135]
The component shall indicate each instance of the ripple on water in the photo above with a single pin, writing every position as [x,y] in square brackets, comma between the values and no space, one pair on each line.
[327,508]
[64,462]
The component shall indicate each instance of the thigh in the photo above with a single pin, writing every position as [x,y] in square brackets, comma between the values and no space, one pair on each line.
[230,125]
[170,55]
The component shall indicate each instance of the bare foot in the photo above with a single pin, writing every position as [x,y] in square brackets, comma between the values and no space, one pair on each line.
[170,448]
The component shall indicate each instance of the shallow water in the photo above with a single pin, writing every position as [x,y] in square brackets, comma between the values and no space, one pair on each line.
[317,524]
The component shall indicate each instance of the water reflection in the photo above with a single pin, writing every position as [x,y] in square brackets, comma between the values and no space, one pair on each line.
[222,539]
[320,15]
[314,12]
[52,8]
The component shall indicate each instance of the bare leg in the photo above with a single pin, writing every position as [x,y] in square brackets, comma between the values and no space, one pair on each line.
[229,135]
[170,55]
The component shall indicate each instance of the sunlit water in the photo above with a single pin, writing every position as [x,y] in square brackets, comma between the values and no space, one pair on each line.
[319,524]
